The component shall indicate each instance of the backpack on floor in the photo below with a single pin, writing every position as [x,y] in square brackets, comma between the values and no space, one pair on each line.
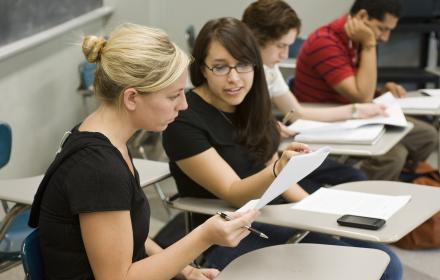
[427,235]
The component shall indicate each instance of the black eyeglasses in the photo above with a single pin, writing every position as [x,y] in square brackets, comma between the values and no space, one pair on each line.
[223,70]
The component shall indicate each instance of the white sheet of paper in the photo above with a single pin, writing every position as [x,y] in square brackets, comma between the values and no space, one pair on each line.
[432,92]
[296,169]
[303,126]
[419,102]
[395,114]
[395,117]
[367,134]
[340,202]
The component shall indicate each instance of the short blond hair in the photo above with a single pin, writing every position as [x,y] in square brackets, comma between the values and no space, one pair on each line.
[136,57]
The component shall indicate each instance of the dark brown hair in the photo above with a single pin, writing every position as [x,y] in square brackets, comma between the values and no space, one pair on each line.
[256,128]
[378,8]
[270,20]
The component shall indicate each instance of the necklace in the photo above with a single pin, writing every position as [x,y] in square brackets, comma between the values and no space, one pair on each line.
[225,117]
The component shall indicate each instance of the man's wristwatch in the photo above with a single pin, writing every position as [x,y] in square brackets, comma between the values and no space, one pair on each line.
[354,111]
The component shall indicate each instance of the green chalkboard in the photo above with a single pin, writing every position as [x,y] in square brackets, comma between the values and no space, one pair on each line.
[22,18]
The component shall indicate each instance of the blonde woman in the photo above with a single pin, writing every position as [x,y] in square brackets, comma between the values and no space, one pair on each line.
[92,214]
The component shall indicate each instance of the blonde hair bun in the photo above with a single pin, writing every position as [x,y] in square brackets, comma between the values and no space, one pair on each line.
[92,47]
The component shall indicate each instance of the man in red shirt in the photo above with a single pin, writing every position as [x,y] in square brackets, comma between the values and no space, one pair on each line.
[337,64]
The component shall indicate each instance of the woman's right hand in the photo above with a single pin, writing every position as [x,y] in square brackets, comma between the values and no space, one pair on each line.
[228,233]
[369,110]
[294,148]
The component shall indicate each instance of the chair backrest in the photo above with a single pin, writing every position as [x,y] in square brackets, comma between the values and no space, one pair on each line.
[5,143]
[295,47]
[190,35]
[87,75]
[31,257]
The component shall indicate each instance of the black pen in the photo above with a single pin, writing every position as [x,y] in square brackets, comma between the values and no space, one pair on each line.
[257,232]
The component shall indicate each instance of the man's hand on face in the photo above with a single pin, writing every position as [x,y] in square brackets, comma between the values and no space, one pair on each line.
[359,32]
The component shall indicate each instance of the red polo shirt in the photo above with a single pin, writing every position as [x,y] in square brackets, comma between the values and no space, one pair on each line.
[326,58]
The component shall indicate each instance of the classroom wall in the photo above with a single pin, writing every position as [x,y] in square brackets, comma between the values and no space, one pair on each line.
[39,101]
[38,95]
[175,16]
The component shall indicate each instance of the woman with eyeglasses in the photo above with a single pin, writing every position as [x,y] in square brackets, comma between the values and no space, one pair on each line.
[90,209]
[225,144]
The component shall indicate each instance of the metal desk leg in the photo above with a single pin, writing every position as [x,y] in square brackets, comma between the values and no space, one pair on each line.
[163,198]
[437,126]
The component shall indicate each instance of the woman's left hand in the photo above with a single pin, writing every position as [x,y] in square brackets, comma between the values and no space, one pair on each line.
[192,273]
[298,147]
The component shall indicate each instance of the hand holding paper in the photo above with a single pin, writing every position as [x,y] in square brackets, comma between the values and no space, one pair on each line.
[296,169]
[291,150]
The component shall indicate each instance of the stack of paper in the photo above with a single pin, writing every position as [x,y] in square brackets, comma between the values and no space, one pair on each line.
[360,131]
[342,202]
[432,92]
[420,102]
[296,169]
[368,135]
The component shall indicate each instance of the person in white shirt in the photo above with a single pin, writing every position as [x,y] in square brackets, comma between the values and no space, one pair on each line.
[275,32]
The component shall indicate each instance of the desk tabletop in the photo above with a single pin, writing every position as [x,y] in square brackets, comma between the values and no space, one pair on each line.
[22,190]
[420,112]
[308,261]
[423,204]
[390,138]
[151,171]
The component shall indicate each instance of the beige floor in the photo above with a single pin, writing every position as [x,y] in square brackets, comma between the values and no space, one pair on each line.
[418,265]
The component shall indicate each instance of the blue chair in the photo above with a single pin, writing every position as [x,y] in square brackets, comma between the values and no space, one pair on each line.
[295,47]
[190,36]
[5,143]
[293,53]
[31,256]
[87,75]
[14,228]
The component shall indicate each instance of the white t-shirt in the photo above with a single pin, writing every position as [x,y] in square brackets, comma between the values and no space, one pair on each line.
[275,81]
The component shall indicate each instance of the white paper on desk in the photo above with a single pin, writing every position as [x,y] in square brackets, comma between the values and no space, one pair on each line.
[395,114]
[432,92]
[364,135]
[295,170]
[303,126]
[343,202]
[419,102]
[395,117]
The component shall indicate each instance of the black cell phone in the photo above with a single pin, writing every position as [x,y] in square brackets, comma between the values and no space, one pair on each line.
[361,222]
